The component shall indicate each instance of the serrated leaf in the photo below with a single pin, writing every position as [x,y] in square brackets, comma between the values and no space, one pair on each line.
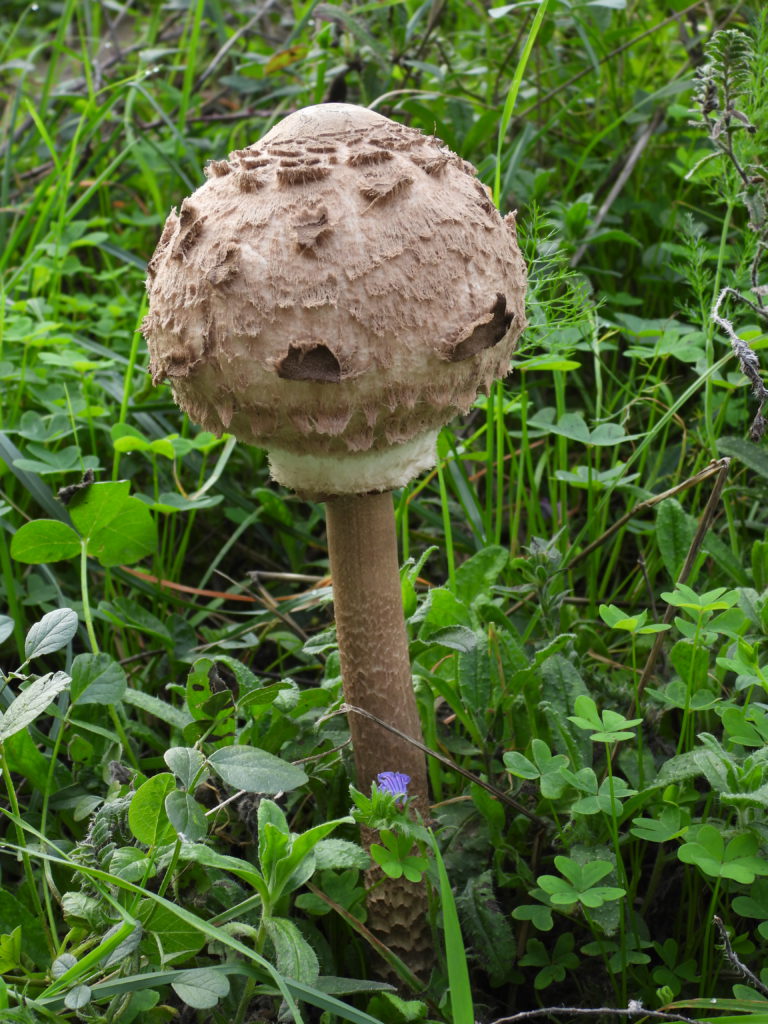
[51,633]
[295,957]
[31,703]
[487,928]
[340,853]
[477,575]
[175,717]
[674,533]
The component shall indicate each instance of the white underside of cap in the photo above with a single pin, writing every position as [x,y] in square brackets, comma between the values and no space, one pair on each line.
[322,476]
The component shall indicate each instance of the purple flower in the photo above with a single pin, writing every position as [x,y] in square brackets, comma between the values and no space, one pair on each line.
[395,783]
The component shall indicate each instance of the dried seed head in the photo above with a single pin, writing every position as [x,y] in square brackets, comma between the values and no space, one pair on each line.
[336,293]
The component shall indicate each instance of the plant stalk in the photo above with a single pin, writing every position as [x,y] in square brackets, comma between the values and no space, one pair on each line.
[376,676]
[373,644]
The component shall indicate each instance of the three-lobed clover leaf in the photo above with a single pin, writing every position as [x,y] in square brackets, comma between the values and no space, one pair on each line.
[552,968]
[579,884]
[395,858]
[638,624]
[110,525]
[737,859]
[701,605]
[607,726]
[546,767]
[755,905]
[671,823]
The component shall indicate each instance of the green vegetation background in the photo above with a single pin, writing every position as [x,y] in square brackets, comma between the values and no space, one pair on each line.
[586,589]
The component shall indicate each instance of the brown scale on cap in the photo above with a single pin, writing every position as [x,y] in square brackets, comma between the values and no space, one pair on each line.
[345,269]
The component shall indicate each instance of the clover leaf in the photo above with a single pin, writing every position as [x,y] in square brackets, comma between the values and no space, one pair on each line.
[736,860]
[579,883]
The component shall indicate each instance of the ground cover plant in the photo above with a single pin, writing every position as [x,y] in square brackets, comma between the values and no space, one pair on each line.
[585,573]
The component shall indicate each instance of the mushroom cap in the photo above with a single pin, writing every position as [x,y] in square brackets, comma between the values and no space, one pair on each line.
[335,293]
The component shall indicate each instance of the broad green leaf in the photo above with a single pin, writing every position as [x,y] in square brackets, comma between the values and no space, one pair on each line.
[519,765]
[126,947]
[255,771]
[10,951]
[134,616]
[6,627]
[118,528]
[31,703]
[343,888]
[671,824]
[390,1007]
[77,997]
[200,987]
[476,576]
[167,938]
[97,679]
[43,541]
[185,763]
[178,718]
[23,757]
[455,638]
[147,817]
[557,689]
[606,434]
[14,914]
[51,633]
[186,815]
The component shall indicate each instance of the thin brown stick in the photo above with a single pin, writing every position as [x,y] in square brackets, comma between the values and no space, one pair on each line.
[637,1010]
[742,968]
[715,467]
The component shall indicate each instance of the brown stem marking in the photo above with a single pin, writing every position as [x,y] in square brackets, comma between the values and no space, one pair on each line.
[376,676]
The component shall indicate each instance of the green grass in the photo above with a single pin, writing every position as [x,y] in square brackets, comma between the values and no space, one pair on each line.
[549,552]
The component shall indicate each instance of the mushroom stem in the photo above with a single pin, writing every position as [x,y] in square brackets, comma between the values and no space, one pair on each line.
[373,644]
[376,676]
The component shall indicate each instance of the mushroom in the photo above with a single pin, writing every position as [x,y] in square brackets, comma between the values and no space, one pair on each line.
[336,293]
